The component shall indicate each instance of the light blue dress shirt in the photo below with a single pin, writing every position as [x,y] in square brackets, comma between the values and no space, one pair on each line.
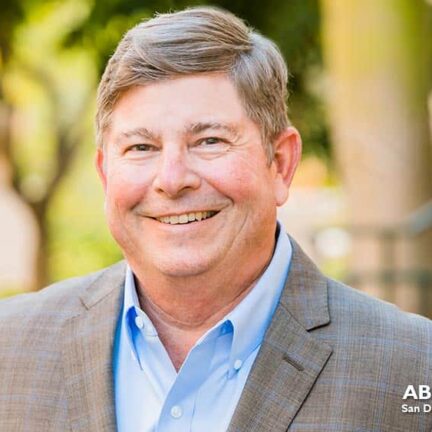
[202,396]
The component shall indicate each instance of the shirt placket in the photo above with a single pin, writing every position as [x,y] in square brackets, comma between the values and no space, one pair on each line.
[179,406]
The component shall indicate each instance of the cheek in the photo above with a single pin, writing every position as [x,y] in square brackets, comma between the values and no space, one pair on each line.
[126,185]
[244,181]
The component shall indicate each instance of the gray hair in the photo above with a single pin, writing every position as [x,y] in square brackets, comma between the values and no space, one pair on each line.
[200,40]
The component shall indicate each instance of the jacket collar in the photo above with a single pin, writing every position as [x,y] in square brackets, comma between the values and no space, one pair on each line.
[106,283]
[291,358]
[305,295]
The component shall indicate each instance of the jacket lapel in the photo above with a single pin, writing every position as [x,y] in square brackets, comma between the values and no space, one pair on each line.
[290,359]
[89,337]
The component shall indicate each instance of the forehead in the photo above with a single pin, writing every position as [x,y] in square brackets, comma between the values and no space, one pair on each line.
[175,104]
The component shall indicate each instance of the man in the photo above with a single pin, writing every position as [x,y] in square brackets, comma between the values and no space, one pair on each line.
[217,320]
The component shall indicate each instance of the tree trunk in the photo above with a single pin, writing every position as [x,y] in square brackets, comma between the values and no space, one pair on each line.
[42,256]
[5,136]
[378,68]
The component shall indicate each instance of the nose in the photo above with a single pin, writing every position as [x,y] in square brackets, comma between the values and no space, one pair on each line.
[174,175]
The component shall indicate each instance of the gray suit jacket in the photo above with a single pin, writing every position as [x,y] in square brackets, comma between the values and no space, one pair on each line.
[332,360]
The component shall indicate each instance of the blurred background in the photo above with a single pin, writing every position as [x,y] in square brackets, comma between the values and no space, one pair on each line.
[361,81]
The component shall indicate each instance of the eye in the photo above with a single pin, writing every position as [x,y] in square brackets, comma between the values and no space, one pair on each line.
[211,146]
[211,141]
[142,148]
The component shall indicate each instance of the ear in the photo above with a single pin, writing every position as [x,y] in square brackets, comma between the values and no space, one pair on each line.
[287,155]
[100,164]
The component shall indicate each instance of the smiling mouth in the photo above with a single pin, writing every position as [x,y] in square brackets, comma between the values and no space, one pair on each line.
[186,218]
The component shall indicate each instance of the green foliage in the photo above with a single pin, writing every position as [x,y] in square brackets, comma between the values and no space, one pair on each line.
[10,291]
[80,240]
[11,14]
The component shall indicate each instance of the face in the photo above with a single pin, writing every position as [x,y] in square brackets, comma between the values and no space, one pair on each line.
[188,187]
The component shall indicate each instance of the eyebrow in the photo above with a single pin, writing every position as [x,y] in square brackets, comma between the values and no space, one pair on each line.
[196,128]
[140,132]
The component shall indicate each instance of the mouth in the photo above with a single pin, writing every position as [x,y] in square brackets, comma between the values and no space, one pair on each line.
[186,218]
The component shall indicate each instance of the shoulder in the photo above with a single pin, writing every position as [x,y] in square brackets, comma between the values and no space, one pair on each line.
[57,302]
[364,311]
[374,329]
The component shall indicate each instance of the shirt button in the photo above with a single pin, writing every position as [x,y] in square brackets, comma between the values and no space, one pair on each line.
[237,364]
[139,322]
[176,411]
[224,329]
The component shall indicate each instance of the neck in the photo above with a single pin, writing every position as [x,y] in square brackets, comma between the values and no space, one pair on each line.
[184,309]
[179,332]
[187,317]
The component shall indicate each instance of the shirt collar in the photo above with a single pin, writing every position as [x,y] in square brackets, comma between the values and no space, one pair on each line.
[133,312]
[260,303]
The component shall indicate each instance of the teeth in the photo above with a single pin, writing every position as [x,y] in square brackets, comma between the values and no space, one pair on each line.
[187,217]
[183,219]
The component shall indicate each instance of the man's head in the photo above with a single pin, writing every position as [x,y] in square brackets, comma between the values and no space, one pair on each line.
[189,107]
[200,40]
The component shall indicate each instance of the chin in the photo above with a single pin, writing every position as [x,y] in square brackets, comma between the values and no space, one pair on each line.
[183,270]
[181,267]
